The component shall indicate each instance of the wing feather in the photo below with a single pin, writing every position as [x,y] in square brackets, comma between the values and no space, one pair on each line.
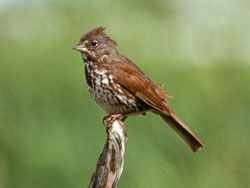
[130,77]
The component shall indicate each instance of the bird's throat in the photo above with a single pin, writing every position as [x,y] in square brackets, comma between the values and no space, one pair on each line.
[84,57]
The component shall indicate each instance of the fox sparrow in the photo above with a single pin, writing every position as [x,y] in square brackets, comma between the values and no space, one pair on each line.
[121,89]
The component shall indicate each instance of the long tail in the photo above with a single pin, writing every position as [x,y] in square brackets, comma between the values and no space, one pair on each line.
[183,131]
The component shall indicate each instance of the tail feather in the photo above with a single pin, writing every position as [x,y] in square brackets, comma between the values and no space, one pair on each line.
[183,131]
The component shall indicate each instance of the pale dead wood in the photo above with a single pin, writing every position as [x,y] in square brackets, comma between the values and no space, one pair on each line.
[110,163]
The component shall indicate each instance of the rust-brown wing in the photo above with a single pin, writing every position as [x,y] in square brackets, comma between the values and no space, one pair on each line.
[129,76]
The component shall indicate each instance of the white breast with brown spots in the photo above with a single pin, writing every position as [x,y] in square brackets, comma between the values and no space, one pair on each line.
[106,93]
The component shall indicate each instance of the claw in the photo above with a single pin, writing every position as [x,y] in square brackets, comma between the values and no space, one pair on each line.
[104,119]
[124,118]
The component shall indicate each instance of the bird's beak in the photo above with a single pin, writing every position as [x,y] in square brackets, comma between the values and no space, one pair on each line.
[80,48]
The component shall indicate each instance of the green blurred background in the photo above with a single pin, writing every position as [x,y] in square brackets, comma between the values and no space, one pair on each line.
[51,131]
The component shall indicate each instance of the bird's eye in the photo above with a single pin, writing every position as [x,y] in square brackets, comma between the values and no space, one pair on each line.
[94,43]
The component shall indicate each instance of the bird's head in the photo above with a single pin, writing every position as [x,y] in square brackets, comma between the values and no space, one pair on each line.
[95,44]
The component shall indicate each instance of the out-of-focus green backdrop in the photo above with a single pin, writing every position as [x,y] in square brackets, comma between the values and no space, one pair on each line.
[51,132]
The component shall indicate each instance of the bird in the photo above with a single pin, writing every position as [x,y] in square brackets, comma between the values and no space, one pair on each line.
[121,89]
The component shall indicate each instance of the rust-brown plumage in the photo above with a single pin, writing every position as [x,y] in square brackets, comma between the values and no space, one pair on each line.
[119,87]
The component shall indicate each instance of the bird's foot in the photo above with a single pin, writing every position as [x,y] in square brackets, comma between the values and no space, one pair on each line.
[111,118]
[116,117]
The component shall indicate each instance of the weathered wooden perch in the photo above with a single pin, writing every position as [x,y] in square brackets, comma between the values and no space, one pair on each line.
[110,163]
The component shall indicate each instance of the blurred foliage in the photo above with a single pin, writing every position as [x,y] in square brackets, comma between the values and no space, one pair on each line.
[51,131]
